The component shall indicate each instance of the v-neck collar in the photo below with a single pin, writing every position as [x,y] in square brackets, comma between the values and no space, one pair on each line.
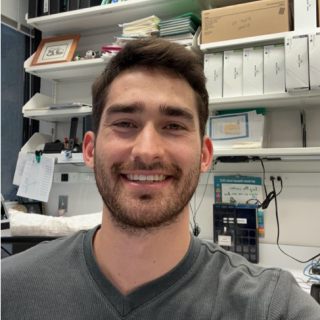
[125,304]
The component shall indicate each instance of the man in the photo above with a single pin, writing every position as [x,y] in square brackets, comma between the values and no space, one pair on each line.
[148,148]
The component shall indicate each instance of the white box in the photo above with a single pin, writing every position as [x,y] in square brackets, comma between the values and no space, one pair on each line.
[305,14]
[232,73]
[297,63]
[274,69]
[213,70]
[314,60]
[253,71]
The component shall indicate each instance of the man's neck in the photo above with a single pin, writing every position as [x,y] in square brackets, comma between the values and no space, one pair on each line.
[129,262]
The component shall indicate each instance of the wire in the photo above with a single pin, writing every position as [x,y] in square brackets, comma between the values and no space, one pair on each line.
[269,197]
[196,228]
[309,265]
[264,177]
[278,230]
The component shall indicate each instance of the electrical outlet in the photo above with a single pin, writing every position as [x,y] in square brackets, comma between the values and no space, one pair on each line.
[87,178]
[66,177]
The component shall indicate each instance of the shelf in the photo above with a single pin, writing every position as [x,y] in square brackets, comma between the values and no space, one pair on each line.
[64,115]
[284,153]
[267,39]
[303,99]
[89,20]
[68,70]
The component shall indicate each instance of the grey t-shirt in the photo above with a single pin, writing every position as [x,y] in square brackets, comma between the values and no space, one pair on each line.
[62,280]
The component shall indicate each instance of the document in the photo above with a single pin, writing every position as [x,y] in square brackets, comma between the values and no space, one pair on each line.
[37,178]
[19,168]
[238,130]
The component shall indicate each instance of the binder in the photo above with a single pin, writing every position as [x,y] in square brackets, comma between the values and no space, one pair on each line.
[32,9]
[89,3]
[43,8]
[74,5]
[56,6]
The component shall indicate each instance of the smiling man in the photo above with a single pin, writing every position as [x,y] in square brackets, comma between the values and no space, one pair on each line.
[148,148]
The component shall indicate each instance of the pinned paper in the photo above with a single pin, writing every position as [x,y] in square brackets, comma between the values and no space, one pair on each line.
[37,178]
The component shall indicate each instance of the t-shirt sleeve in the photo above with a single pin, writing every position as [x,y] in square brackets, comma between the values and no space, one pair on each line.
[290,302]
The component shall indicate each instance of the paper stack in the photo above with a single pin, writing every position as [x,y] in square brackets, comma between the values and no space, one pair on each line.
[180,29]
[243,130]
[142,28]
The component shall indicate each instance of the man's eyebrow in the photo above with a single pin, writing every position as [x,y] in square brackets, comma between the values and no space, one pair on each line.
[124,108]
[176,112]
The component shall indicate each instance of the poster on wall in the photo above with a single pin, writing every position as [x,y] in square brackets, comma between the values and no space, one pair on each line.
[237,190]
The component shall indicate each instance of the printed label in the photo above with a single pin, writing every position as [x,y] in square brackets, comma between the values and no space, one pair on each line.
[45,6]
[241,220]
[224,241]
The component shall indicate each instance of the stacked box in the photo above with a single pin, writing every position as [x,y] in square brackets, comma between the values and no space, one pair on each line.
[253,71]
[305,14]
[213,70]
[297,63]
[314,60]
[232,73]
[274,69]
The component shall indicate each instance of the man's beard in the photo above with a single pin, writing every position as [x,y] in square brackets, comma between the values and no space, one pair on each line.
[149,210]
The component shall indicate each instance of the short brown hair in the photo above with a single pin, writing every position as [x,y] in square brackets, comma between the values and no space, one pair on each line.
[153,54]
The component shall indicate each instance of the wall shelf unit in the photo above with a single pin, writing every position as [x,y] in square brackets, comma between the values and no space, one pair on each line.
[58,115]
[283,153]
[89,20]
[299,99]
[67,71]
[267,39]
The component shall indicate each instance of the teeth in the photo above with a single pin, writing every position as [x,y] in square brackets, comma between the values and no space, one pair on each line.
[141,177]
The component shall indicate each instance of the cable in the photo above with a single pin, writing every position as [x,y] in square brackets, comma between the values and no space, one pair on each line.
[309,265]
[278,229]
[272,194]
[196,228]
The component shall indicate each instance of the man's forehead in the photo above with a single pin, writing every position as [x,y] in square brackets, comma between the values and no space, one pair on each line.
[145,89]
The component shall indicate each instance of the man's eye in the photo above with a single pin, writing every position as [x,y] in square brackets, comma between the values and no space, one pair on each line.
[124,124]
[174,126]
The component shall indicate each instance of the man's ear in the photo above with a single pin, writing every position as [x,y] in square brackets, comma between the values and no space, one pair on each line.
[88,149]
[206,154]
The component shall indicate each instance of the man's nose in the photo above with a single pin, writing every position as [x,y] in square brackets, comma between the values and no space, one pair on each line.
[148,145]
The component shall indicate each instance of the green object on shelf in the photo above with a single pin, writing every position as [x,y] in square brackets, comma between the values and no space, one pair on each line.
[193,18]
[258,110]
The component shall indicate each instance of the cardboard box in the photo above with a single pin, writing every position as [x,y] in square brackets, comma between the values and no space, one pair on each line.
[314,60]
[232,73]
[253,71]
[245,20]
[297,63]
[274,69]
[305,14]
[213,70]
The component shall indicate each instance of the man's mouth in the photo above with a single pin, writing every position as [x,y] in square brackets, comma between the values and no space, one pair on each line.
[141,178]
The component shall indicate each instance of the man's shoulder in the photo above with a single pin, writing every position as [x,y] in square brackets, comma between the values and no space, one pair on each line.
[231,265]
[42,255]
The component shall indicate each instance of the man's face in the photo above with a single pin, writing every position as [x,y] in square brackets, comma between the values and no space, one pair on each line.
[147,156]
